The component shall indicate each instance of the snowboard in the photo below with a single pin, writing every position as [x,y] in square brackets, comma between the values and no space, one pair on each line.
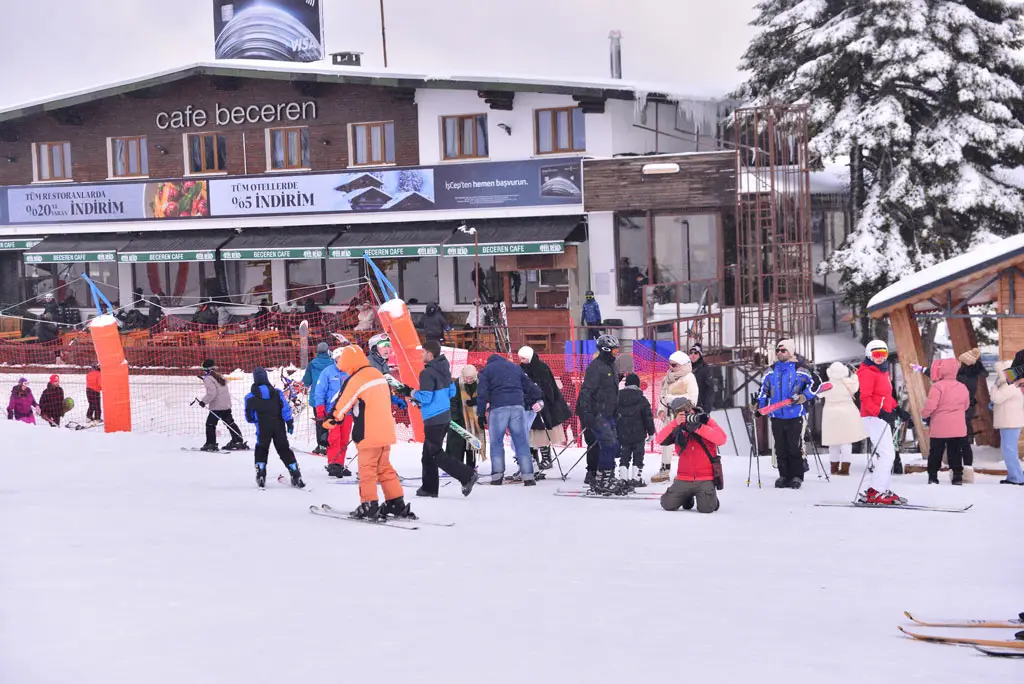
[968,623]
[966,641]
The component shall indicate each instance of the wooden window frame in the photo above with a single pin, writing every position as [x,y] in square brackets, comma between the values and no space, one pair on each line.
[65,163]
[370,126]
[284,131]
[554,131]
[216,153]
[141,140]
[459,118]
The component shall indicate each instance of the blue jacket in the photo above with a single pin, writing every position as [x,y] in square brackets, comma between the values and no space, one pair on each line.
[783,380]
[436,392]
[503,383]
[591,313]
[315,368]
[328,387]
[265,406]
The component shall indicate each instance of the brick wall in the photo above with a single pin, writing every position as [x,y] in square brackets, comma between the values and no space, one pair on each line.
[337,105]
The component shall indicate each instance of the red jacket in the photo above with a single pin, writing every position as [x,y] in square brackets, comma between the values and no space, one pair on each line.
[875,390]
[92,381]
[694,464]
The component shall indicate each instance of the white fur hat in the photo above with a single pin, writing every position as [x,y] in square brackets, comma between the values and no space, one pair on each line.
[679,357]
[526,353]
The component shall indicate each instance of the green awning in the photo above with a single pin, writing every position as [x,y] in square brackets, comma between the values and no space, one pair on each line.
[284,243]
[75,249]
[200,245]
[18,244]
[390,241]
[501,237]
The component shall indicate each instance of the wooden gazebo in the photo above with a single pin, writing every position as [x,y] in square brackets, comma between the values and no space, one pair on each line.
[993,274]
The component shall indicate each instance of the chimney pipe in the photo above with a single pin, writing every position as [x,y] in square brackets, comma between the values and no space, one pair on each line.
[616,53]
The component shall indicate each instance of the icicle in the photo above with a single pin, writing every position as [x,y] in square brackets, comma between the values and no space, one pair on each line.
[639,103]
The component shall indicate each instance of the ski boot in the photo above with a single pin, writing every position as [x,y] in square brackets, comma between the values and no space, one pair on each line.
[261,475]
[293,470]
[210,446]
[873,497]
[367,510]
[337,470]
[468,487]
[319,451]
[623,473]
[398,509]
[782,483]
[423,492]
[545,458]
[637,477]
[606,484]
[236,444]
[662,475]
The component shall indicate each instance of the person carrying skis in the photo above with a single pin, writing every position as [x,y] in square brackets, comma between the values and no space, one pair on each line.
[366,398]
[93,387]
[696,438]
[506,390]
[434,397]
[678,382]
[840,419]
[546,428]
[21,404]
[464,414]
[217,401]
[597,404]
[590,315]
[946,413]
[634,421]
[51,402]
[316,366]
[270,412]
[325,394]
[878,410]
[787,378]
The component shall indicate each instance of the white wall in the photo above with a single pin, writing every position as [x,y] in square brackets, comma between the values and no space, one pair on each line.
[627,137]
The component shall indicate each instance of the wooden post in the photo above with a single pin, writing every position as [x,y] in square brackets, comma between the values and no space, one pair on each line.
[911,351]
[961,334]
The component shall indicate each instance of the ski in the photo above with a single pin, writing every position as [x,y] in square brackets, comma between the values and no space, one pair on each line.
[392,521]
[330,513]
[404,390]
[771,408]
[905,507]
[219,451]
[282,481]
[1000,652]
[966,641]
[967,623]
[584,494]
[355,481]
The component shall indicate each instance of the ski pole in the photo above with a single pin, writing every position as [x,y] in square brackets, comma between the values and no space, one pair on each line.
[578,461]
[219,419]
[869,467]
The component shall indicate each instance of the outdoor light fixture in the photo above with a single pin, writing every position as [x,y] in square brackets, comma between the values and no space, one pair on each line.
[506,128]
[660,168]
[11,159]
[160,149]
[325,141]
[466,229]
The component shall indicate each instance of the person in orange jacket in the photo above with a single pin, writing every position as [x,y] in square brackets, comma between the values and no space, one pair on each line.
[367,396]
[696,438]
[93,387]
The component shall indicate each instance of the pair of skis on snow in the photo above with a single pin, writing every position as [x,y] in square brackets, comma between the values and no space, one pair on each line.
[395,523]
[1008,648]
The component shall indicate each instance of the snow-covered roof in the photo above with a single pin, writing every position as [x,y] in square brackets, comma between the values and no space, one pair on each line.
[329,73]
[362,191]
[963,265]
[402,196]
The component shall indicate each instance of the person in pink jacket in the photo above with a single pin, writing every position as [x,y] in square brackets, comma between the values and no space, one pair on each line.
[945,412]
[22,403]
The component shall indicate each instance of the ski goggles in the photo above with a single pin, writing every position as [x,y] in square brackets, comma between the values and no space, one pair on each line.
[879,354]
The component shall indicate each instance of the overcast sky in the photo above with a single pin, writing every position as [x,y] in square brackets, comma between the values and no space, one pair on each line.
[55,46]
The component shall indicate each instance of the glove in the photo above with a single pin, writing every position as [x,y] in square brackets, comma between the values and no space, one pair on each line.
[798,399]
[403,391]
[471,402]
[291,426]
[717,474]
[927,422]
[202,403]
[887,417]
[904,415]
[537,407]
[482,419]
[321,412]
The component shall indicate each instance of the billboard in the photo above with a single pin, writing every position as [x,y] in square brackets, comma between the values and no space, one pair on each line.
[279,30]
[107,202]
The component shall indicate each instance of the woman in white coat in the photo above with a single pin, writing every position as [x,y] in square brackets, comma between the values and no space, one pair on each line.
[1008,418]
[678,382]
[841,425]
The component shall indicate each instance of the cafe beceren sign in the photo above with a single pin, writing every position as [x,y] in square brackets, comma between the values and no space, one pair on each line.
[194,117]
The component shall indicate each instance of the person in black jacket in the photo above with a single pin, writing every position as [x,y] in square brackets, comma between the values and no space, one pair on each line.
[434,324]
[597,405]
[46,329]
[546,428]
[970,373]
[705,379]
[270,412]
[635,423]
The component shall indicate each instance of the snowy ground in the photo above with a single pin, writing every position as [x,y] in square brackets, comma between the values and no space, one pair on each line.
[124,559]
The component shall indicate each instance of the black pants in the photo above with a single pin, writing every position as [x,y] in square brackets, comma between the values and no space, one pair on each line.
[966,452]
[955,446]
[94,412]
[211,425]
[434,457]
[631,451]
[593,451]
[278,436]
[789,448]
[321,434]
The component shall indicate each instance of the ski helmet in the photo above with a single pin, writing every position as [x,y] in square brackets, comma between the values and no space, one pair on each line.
[589,294]
[877,347]
[607,342]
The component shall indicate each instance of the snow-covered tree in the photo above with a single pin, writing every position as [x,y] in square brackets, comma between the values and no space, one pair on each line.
[926,98]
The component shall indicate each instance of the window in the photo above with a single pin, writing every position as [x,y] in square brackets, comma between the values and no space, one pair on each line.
[248,281]
[176,284]
[415,279]
[289,148]
[465,137]
[634,256]
[53,161]
[207,152]
[306,279]
[561,130]
[492,288]
[65,280]
[128,157]
[373,143]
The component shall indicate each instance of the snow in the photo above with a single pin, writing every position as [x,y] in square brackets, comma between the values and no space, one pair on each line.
[960,265]
[103,320]
[393,308]
[126,560]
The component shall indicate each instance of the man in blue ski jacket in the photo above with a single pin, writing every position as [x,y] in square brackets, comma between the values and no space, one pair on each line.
[591,314]
[505,391]
[788,379]
[316,366]
[270,412]
[326,392]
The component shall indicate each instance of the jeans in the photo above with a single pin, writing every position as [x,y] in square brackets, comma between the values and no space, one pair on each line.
[509,418]
[603,428]
[528,418]
[1008,445]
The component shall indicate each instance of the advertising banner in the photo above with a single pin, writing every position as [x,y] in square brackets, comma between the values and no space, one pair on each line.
[507,248]
[228,254]
[165,257]
[385,252]
[18,244]
[280,30]
[107,202]
[71,257]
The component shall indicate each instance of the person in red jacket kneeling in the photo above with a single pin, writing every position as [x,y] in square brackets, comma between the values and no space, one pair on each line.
[699,475]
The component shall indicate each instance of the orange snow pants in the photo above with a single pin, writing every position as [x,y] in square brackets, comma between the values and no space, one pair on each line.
[338,439]
[375,466]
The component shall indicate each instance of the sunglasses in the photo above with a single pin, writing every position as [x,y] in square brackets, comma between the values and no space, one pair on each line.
[781,350]
[673,365]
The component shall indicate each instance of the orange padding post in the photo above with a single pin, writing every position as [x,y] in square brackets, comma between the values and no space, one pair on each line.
[117,400]
[395,318]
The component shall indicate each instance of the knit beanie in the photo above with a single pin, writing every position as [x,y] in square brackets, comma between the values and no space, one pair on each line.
[322,348]
[787,344]
[632,380]
[526,354]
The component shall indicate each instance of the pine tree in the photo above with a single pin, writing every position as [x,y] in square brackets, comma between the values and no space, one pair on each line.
[410,180]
